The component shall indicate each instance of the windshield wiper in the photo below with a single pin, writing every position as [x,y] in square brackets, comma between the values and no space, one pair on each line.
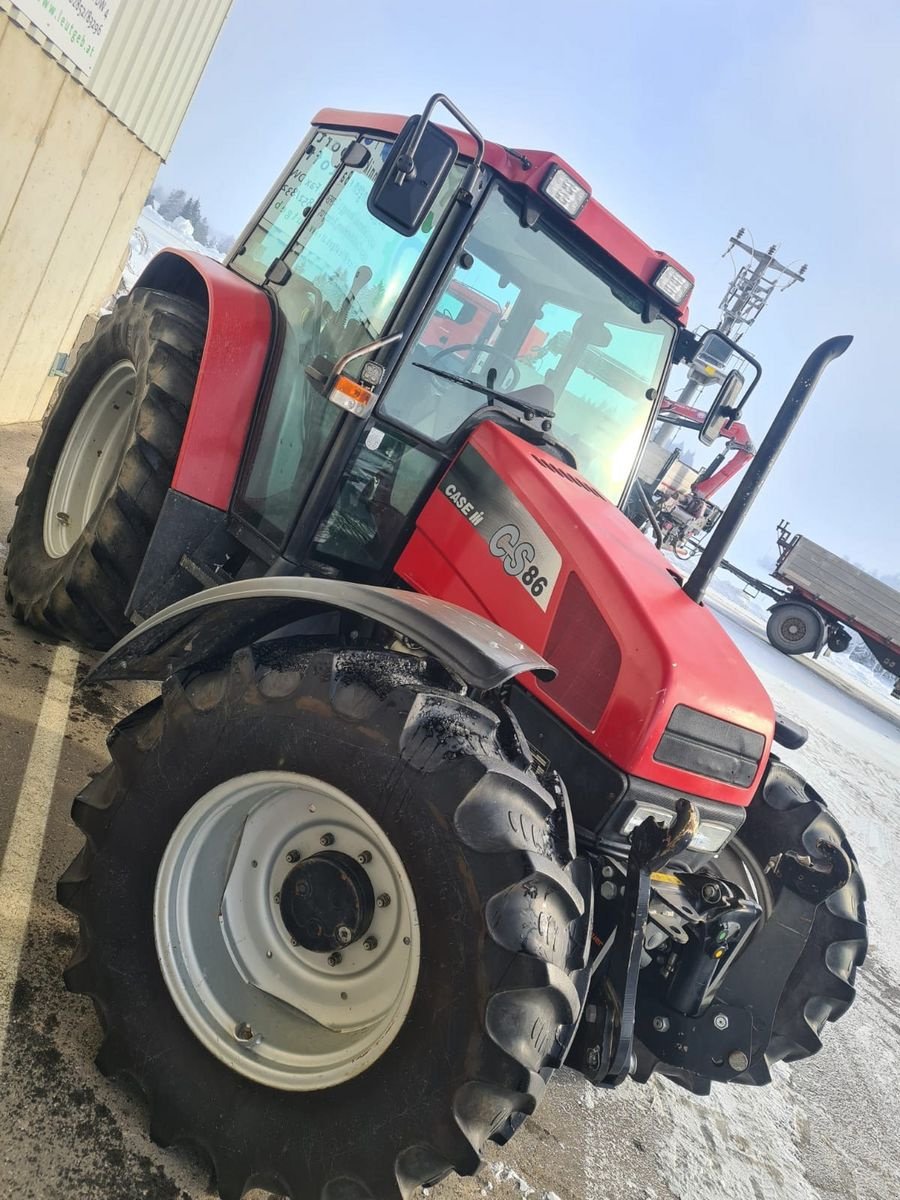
[524,406]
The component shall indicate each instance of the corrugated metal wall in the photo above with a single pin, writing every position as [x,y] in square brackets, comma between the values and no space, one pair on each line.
[150,62]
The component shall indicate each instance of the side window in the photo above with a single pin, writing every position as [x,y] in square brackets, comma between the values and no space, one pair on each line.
[386,478]
[347,272]
[310,175]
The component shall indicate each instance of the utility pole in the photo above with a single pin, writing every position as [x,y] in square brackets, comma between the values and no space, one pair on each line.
[747,295]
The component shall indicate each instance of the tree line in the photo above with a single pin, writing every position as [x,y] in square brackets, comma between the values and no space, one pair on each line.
[177,203]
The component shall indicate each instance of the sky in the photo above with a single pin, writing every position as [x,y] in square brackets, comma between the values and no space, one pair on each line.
[690,118]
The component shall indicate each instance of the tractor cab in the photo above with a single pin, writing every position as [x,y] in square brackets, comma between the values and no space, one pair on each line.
[391,345]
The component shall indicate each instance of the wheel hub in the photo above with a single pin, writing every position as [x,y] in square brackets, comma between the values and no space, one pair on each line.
[286,930]
[327,902]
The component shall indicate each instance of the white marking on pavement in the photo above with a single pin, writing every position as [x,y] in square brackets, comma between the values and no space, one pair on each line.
[19,869]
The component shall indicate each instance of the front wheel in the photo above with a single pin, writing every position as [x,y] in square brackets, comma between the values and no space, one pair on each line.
[334,926]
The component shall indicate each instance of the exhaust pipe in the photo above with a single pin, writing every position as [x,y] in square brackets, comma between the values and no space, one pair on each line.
[779,432]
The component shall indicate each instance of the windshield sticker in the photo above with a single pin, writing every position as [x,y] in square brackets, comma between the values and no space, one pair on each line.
[511,533]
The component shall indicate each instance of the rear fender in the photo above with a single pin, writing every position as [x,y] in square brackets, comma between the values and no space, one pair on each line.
[238,335]
[215,623]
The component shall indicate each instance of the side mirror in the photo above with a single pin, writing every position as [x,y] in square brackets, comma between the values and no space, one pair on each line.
[413,174]
[417,167]
[723,409]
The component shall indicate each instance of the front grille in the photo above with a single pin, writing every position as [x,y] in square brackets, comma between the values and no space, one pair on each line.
[585,653]
[705,745]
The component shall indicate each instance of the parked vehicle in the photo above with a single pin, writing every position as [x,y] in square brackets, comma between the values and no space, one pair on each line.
[824,597]
[450,780]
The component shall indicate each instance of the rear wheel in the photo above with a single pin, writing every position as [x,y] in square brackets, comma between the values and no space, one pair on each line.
[333,927]
[794,629]
[100,471]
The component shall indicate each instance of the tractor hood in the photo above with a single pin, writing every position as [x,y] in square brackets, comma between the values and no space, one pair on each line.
[645,675]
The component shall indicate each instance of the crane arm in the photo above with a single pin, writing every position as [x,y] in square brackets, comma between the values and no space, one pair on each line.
[740,442]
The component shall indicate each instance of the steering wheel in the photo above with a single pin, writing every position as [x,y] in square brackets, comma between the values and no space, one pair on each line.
[513,369]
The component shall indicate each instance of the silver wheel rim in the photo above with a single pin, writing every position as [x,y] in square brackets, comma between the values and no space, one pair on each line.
[90,458]
[272,1010]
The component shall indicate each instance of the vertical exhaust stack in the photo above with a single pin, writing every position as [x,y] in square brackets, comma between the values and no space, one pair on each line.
[779,431]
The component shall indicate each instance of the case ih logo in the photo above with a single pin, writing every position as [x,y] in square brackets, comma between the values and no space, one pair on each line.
[511,533]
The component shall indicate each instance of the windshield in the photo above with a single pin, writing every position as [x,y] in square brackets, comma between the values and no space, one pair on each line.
[522,315]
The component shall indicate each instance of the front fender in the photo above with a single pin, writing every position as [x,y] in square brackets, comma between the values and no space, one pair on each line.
[220,620]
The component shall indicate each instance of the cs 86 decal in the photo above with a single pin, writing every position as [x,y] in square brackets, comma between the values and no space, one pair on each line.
[518,558]
[511,533]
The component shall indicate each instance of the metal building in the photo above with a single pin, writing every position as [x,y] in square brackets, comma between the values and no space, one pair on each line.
[92,93]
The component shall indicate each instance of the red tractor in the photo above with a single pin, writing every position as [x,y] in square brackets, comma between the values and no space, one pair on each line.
[451,781]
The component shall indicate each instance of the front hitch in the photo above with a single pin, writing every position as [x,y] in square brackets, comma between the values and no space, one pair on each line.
[602,1049]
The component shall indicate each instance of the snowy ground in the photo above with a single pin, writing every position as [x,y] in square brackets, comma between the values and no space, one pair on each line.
[826,1129]
[152,234]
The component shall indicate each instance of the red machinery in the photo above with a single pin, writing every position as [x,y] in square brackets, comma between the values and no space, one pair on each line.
[451,780]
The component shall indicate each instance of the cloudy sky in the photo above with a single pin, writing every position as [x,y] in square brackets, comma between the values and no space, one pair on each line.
[690,118]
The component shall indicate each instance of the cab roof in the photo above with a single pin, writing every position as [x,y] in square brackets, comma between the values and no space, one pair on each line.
[597,222]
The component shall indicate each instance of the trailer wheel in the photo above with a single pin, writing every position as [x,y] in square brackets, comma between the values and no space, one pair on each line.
[794,628]
[330,928]
[99,474]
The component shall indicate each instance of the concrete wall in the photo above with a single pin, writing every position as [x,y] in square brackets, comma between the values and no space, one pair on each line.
[72,183]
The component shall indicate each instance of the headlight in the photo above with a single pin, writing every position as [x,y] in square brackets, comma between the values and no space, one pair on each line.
[672,284]
[710,836]
[565,192]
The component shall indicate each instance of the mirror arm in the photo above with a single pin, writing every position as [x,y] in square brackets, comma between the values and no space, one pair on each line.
[406,164]
[322,382]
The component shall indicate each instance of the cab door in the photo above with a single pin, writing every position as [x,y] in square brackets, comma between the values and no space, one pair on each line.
[336,282]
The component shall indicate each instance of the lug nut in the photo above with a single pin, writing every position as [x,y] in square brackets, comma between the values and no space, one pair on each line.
[327,839]
[720,1021]
[383,900]
[344,934]
[243,1032]
[293,856]
[370,943]
[738,1060]
[364,858]
[335,959]
[661,1024]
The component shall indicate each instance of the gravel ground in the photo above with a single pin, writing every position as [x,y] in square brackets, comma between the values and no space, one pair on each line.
[824,1129]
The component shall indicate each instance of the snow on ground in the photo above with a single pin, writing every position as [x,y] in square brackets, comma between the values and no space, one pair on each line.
[152,234]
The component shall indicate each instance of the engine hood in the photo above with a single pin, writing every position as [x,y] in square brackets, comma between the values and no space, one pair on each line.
[645,675]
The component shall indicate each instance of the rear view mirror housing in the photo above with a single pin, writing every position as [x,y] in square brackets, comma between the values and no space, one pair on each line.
[723,409]
[412,176]
[417,167]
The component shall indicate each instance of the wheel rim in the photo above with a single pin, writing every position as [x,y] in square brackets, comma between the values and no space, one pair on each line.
[277,1011]
[90,458]
[793,629]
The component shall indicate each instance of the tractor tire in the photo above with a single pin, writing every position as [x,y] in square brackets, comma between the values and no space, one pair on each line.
[794,629]
[100,471]
[788,815]
[501,934]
